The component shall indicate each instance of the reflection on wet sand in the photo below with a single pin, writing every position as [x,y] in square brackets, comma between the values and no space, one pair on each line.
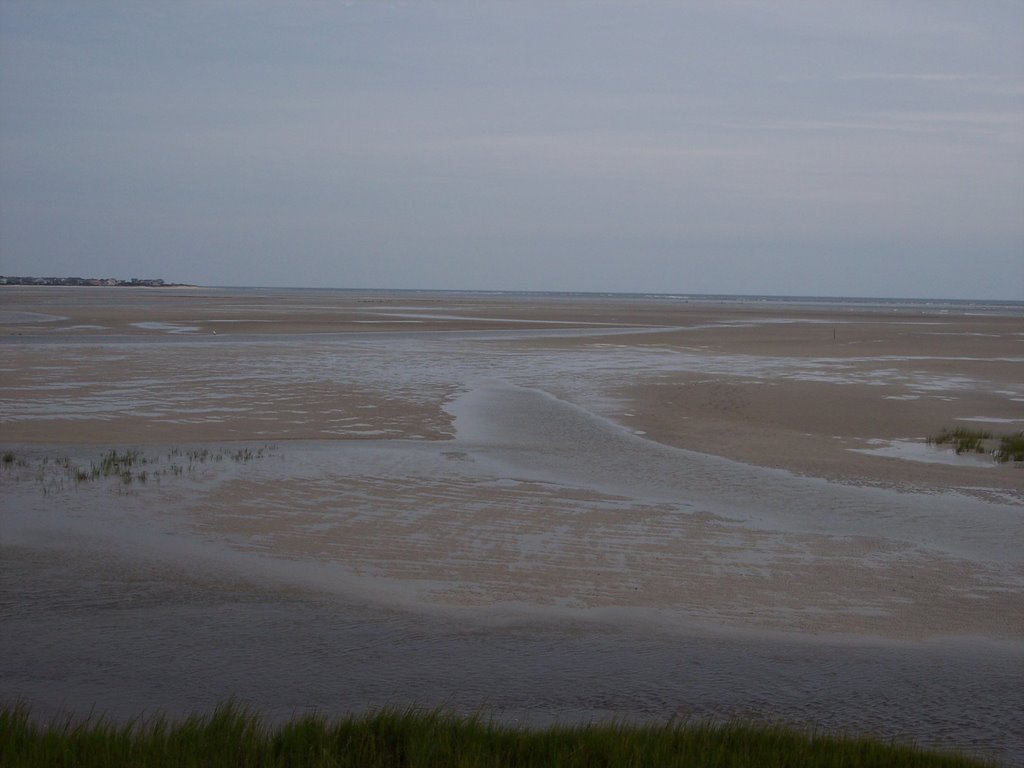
[503,510]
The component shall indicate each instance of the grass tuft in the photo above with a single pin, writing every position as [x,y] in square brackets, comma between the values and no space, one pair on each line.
[963,439]
[127,467]
[9,458]
[1011,448]
[233,736]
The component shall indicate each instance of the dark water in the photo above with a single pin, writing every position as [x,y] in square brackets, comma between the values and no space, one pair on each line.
[89,632]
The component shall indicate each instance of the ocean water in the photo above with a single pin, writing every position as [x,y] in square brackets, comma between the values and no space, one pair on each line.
[842,303]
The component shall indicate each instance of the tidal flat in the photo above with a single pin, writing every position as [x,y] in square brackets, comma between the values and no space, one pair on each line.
[551,509]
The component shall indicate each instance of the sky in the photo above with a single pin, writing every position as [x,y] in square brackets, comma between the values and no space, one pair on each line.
[780,147]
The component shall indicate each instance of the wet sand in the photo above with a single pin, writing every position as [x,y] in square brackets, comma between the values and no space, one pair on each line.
[793,387]
[845,396]
[608,472]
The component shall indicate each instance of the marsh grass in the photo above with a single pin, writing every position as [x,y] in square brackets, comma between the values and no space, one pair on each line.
[966,440]
[1011,448]
[963,439]
[127,466]
[232,736]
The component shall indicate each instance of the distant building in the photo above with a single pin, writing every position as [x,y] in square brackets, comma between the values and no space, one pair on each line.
[135,282]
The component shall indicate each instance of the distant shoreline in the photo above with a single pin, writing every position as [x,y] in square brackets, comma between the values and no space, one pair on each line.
[92,282]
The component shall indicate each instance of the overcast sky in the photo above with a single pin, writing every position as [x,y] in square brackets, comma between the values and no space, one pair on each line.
[777,147]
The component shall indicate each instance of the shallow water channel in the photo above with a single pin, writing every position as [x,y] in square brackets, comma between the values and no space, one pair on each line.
[544,566]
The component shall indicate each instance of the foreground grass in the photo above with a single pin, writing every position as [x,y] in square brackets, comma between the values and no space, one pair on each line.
[234,737]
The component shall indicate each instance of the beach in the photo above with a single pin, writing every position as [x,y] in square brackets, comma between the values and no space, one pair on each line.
[554,507]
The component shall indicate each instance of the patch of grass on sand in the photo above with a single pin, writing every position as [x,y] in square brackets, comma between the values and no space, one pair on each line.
[126,466]
[963,439]
[1011,448]
[966,440]
[9,459]
[232,736]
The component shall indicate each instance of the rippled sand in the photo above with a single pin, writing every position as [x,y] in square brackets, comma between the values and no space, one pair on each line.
[715,484]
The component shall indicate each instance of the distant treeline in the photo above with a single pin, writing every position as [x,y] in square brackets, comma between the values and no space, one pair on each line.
[136,282]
